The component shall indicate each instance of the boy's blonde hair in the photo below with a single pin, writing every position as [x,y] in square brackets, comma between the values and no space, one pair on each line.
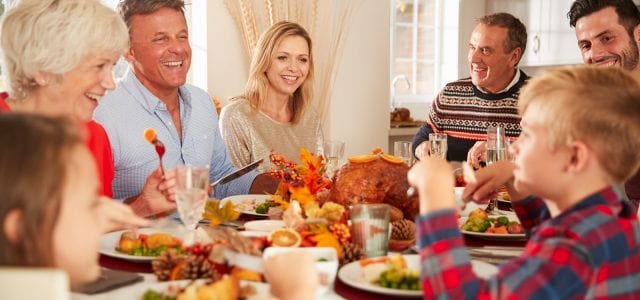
[53,36]
[595,105]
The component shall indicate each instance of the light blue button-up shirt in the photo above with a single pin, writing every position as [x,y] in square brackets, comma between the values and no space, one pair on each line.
[128,110]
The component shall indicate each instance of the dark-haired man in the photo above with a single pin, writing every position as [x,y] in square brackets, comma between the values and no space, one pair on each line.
[608,33]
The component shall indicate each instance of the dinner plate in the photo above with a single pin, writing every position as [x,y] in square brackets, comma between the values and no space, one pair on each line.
[494,236]
[264,225]
[109,241]
[262,289]
[247,204]
[351,274]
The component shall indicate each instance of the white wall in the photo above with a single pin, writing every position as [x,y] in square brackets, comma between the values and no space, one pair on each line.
[359,107]
[359,112]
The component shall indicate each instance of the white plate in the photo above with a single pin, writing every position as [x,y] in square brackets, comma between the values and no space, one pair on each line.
[263,225]
[351,274]
[262,289]
[494,236]
[247,204]
[109,241]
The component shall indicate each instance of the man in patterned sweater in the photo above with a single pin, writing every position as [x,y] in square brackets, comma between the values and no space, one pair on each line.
[465,108]
[589,247]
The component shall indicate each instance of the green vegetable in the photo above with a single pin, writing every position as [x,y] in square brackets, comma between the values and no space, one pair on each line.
[474,224]
[263,208]
[153,295]
[503,220]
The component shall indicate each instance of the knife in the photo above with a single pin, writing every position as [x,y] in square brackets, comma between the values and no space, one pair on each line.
[237,173]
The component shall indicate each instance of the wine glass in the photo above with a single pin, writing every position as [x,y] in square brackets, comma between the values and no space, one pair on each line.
[402,149]
[496,150]
[191,195]
[333,152]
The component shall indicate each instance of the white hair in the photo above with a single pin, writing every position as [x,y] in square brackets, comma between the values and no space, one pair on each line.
[53,36]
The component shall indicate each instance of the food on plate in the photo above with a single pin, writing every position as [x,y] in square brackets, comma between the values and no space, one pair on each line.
[503,194]
[390,272]
[479,221]
[373,179]
[226,288]
[257,205]
[147,244]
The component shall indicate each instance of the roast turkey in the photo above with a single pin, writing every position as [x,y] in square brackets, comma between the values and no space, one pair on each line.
[374,179]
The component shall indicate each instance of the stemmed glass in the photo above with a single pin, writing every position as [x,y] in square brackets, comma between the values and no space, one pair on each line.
[191,195]
[496,150]
[333,152]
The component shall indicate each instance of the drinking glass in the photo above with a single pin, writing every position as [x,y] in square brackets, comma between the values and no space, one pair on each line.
[402,149]
[191,193]
[333,152]
[497,149]
[370,228]
[438,144]
[496,145]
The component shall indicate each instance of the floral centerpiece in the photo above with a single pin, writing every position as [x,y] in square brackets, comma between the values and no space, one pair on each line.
[310,221]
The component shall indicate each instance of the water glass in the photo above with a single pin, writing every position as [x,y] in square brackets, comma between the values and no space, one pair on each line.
[333,152]
[370,228]
[438,144]
[402,149]
[191,193]
[496,145]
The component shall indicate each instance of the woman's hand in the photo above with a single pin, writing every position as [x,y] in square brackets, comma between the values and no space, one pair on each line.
[477,153]
[433,178]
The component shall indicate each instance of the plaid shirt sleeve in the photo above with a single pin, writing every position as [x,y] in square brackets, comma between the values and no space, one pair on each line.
[555,268]
[531,211]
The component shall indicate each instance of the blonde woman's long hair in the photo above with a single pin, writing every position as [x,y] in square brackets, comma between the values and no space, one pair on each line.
[257,84]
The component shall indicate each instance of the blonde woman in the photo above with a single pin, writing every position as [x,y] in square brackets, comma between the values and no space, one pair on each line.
[274,113]
[57,58]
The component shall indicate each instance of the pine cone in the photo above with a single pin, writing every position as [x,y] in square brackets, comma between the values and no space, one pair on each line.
[198,266]
[164,263]
[403,230]
[351,252]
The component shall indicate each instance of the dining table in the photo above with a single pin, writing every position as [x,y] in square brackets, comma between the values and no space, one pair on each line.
[341,290]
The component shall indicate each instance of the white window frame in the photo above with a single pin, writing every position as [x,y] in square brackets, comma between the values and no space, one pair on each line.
[414,99]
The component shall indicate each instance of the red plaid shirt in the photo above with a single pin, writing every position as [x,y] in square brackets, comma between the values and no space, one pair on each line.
[589,251]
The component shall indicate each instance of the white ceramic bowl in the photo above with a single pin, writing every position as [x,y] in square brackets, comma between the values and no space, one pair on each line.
[327,268]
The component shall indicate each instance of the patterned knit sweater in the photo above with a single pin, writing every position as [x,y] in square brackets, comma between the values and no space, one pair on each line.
[464,112]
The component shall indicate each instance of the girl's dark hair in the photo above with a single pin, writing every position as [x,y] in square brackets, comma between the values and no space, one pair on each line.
[34,160]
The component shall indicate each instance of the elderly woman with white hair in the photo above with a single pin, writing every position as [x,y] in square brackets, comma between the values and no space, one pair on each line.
[58,57]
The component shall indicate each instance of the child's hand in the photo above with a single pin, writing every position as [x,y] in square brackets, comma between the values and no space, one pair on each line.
[488,180]
[286,283]
[433,178]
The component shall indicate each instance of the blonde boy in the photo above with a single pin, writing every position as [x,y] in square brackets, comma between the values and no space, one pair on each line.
[580,138]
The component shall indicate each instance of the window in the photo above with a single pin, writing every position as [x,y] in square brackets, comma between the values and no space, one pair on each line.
[413,52]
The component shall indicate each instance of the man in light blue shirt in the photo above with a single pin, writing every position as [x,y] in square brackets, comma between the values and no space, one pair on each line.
[153,94]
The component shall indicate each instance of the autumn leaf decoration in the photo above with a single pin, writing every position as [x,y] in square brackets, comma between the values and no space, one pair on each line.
[218,214]
[300,182]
